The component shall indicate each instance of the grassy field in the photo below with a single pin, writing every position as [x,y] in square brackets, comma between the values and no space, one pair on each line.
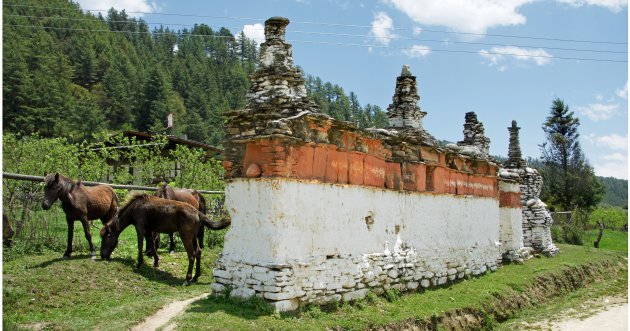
[46,291]
[615,240]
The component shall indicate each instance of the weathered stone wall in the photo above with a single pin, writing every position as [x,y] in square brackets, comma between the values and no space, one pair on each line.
[322,210]
[536,218]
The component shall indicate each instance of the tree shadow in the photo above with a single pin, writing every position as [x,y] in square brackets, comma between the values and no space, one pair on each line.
[249,309]
[62,259]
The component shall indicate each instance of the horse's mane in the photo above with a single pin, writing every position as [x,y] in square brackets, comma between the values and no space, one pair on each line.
[66,183]
[129,204]
[165,192]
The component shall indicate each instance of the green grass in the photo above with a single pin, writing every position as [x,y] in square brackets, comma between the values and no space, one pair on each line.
[47,291]
[221,313]
[611,239]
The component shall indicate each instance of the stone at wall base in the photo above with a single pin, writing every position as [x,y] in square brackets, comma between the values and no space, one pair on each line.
[242,292]
[217,288]
[285,305]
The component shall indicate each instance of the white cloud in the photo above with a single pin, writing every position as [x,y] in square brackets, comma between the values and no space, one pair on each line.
[499,54]
[474,16]
[611,141]
[417,30]
[613,5]
[623,92]
[382,28]
[255,31]
[598,111]
[614,164]
[618,169]
[614,157]
[417,51]
[135,7]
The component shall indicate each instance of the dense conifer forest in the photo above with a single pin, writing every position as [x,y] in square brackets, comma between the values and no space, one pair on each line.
[75,74]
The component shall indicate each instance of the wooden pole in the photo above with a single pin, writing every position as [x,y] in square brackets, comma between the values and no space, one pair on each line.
[599,236]
[9,175]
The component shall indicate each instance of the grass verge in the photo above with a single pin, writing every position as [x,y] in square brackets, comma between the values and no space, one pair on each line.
[45,291]
[468,299]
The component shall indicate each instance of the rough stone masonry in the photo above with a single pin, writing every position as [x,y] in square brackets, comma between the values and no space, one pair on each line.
[537,220]
[322,210]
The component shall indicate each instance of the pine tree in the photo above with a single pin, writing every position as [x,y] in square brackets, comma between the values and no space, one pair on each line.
[569,180]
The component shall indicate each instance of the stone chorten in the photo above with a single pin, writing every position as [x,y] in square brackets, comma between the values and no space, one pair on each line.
[474,136]
[404,113]
[537,220]
[278,86]
[515,159]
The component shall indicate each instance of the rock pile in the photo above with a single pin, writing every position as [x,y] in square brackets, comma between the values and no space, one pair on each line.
[405,116]
[277,90]
[536,218]
[475,142]
[515,159]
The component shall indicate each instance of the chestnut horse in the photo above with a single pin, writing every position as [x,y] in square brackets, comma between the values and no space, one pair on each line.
[80,202]
[189,196]
[150,214]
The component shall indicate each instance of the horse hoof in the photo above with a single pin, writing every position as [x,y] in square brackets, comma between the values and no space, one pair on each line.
[186,283]
[66,256]
[93,257]
[172,252]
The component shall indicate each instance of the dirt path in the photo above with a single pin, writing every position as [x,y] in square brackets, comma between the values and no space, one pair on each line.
[614,318]
[164,315]
[609,313]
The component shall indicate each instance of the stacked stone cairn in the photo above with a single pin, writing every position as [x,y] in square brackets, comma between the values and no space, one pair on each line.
[405,116]
[277,89]
[537,220]
[475,142]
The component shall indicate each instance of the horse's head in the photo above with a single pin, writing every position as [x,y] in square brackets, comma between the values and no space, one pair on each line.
[109,239]
[52,190]
[165,192]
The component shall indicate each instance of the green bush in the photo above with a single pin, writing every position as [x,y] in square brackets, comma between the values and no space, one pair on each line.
[139,164]
[613,217]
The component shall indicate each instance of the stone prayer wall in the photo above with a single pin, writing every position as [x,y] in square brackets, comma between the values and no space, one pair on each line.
[322,210]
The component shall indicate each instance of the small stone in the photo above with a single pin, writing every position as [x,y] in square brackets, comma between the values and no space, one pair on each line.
[253,171]
[285,305]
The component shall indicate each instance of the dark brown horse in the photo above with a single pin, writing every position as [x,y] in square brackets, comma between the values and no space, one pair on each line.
[80,202]
[7,230]
[151,214]
[191,197]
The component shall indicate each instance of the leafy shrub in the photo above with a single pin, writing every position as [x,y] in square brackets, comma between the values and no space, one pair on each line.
[612,217]
[139,163]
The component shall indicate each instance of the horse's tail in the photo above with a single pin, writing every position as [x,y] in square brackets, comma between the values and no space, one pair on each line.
[222,224]
[202,203]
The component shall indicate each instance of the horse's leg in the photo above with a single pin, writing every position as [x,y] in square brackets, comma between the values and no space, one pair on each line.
[140,234]
[187,240]
[197,251]
[88,236]
[171,248]
[70,234]
[153,236]
[153,239]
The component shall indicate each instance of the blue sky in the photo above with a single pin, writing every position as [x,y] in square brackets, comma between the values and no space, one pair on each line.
[464,52]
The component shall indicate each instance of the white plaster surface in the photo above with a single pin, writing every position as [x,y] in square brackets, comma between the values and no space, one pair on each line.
[281,221]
